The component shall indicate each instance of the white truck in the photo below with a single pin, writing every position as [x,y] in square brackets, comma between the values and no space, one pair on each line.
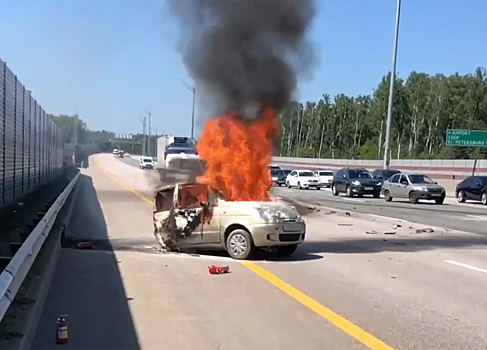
[177,159]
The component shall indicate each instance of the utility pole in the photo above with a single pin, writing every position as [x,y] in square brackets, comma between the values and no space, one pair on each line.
[143,120]
[75,126]
[149,142]
[387,151]
[192,89]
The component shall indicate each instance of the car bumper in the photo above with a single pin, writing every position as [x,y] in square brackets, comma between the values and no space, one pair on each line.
[311,185]
[279,182]
[274,235]
[147,167]
[429,195]
[365,189]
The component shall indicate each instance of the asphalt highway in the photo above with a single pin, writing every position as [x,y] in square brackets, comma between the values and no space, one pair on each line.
[467,217]
[343,288]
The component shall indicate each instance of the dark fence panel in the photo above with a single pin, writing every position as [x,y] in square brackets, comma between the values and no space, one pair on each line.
[30,144]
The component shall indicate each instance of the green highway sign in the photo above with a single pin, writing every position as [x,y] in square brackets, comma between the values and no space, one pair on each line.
[466,138]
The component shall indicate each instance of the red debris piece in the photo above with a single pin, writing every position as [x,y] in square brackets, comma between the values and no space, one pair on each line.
[85,245]
[218,270]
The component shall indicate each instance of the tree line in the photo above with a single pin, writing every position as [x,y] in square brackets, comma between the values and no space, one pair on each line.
[424,107]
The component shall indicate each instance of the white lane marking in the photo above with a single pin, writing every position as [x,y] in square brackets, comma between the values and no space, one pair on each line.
[383,217]
[477,217]
[466,266]
[353,200]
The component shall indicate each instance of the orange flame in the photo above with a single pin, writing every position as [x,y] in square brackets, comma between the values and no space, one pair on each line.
[237,155]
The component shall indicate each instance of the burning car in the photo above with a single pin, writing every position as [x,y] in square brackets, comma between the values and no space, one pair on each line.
[192,216]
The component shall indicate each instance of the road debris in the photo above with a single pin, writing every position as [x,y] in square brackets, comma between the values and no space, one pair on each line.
[345,224]
[425,230]
[399,243]
[218,270]
[390,232]
[371,232]
[85,245]
[396,226]
[348,213]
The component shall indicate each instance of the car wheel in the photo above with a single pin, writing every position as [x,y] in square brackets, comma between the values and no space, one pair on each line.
[286,250]
[412,198]
[387,196]
[439,200]
[461,197]
[334,190]
[484,198]
[288,184]
[239,244]
[299,186]
[349,191]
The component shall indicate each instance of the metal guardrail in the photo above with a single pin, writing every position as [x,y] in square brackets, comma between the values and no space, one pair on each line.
[14,274]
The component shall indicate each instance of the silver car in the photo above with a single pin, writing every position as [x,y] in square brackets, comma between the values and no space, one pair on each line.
[414,187]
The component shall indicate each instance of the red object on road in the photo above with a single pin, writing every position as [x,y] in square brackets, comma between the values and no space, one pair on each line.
[218,270]
[62,329]
[85,245]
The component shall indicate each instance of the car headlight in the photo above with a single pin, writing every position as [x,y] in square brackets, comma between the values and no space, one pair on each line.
[274,178]
[356,183]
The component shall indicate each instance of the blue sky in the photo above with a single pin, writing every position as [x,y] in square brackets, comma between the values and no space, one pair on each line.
[113,59]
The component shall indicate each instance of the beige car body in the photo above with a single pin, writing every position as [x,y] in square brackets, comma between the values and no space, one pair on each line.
[270,224]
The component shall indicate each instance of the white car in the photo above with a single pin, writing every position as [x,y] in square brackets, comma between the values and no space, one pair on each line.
[325,176]
[146,163]
[303,179]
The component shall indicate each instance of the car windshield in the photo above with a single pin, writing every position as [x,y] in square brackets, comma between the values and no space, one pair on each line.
[483,180]
[326,173]
[420,179]
[306,173]
[359,174]
[276,172]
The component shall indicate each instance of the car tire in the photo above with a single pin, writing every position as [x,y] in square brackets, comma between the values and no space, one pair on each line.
[349,191]
[288,185]
[439,200]
[412,198]
[461,197]
[334,190]
[387,196]
[484,198]
[299,185]
[239,244]
[286,250]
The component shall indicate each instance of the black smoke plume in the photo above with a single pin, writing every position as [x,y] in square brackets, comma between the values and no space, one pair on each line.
[245,53]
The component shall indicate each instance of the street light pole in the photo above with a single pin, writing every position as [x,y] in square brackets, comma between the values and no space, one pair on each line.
[387,151]
[193,90]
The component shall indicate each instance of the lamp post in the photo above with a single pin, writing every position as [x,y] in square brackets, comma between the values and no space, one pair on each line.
[387,151]
[192,89]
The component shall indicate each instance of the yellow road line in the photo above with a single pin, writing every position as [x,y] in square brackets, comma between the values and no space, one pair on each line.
[342,323]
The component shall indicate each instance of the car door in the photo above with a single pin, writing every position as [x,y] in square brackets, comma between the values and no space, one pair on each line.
[403,187]
[393,184]
[337,179]
[195,215]
[474,188]
[343,181]
[292,178]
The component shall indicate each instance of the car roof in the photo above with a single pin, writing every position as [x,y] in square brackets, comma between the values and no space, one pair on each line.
[303,170]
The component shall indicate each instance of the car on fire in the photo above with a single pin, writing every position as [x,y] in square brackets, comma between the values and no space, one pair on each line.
[190,216]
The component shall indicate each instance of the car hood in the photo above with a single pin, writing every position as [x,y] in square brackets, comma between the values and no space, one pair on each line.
[367,182]
[276,209]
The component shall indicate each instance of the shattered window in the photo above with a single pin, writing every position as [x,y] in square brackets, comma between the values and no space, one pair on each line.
[164,199]
[190,196]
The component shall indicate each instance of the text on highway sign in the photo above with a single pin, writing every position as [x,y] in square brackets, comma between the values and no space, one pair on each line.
[466,138]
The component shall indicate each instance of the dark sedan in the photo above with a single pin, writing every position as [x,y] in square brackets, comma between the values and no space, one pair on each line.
[472,188]
[384,174]
[278,177]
